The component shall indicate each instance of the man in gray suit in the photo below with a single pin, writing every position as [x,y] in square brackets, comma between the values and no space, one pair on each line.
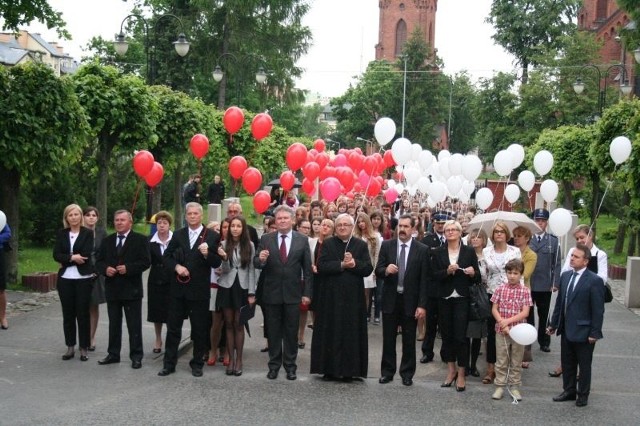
[546,275]
[285,260]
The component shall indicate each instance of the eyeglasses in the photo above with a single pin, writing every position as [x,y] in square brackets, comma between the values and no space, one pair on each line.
[451,230]
[499,231]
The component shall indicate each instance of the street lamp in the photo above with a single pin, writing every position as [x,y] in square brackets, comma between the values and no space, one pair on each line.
[368,145]
[625,87]
[121,46]
[219,75]
[334,143]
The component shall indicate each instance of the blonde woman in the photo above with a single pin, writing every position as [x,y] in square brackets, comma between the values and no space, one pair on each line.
[73,249]
[364,231]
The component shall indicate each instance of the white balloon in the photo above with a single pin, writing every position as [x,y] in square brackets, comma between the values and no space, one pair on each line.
[517,154]
[503,163]
[434,170]
[3,220]
[384,130]
[512,193]
[425,159]
[463,196]
[455,164]
[560,221]
[411,175]
[401,151]
[430,202]
[399,187]
[471,167]
[620,149]
[423,184]
[543,162]
[444,167]
[443,154]
[454,185]
[412,190]
[549,190]
[468,187]
[391,183]
[484,198]
[438,191]
[527,180]
[416,149]
[523,334]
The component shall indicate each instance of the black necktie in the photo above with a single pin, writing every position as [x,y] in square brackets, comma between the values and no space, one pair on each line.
[401,268]
[120,243]
[570,287]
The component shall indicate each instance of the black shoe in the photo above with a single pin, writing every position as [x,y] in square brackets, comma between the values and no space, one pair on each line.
[272,374]
[196,372]
[473,371]
[92,348]
[407,381]
[84,358]
[229,372]
[582,401]
[555,373]
[328,378]
[426,358]
[68,356]
[166,371]
[109,359]
[237,373]
[291,375]
[136,364]
[565,396]
[545,349]
[265,349]
[448,384]
[385,379]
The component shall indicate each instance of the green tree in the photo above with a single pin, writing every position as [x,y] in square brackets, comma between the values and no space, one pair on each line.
[529,29]
[461,124]
[17,13]
[44,129]
[122,115]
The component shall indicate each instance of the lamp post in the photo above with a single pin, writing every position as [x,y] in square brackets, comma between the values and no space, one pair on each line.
[625,87]
[368,147]
[121,46]
[220,76]
[333,143]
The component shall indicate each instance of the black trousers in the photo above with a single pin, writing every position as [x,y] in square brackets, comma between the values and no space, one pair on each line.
[454,318]
[390,324]
[282,321]
[432,327]
[133,315]
[198,313]
[576,355]
[75,298]
[542,300]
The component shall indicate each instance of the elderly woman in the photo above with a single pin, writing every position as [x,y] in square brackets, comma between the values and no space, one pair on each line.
[73,249]
[455,268]
[158,283]
[521,238]
[496,257]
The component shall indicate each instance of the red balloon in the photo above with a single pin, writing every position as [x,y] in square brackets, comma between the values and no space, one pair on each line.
[330,188]
[233,119]
[155,176]
[388,159]
[308,186]
[261,126]
[143,162]
[237,166]
[339,160]
[328,171]
[374,188]
[261,201]
[199,145]
[355,161]
[296,156]
[322,159]
[287,180]
[251,180]
[391,195]
[370,165]
[346,177]
[319,145]
[311,170]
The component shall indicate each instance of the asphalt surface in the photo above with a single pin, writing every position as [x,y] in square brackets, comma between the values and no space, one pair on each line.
[37,387]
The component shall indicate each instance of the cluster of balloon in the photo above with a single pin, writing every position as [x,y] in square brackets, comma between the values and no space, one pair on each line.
[145,166]
[3,220]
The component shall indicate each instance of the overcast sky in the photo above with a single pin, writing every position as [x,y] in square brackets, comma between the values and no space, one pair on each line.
[344,33]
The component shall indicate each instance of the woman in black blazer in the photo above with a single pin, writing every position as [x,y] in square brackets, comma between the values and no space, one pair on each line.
[455,268]
[73,248]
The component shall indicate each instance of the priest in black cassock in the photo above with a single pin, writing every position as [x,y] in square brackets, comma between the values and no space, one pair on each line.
[339,349]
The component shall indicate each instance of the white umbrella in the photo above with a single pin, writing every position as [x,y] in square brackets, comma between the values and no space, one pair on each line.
[511,219]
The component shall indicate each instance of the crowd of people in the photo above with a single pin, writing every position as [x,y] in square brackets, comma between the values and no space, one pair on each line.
[339,266]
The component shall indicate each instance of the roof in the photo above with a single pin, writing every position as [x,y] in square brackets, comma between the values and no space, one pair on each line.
[52,50]
[11,55]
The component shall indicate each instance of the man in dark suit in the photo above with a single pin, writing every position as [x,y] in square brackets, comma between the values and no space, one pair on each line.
[545,276]
[215,193]
[188,260]
[403,263]
[284,258]
[578,317]
[433,240]
[122,259]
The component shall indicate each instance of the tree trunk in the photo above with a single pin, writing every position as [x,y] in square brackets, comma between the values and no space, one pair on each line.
[525,71]
[568,195]
[103,156]
[631,249]
[9,204]
[622,227]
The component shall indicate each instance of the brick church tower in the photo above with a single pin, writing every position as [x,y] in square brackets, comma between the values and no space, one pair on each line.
[398,19]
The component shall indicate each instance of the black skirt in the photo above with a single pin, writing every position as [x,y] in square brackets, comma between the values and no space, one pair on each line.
[232,298]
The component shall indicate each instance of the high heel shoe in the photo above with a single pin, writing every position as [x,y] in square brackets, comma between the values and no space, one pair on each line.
[460,388]
[211,361]
[229,372]
[237,373]
[448,384]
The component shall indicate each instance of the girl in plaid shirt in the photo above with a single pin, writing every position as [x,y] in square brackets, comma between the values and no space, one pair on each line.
[511,304]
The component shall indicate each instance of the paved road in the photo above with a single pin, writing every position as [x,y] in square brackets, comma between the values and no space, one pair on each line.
[36,387]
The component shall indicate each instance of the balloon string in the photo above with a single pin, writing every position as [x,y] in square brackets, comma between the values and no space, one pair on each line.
[135,197]
[609,184]
[515,400]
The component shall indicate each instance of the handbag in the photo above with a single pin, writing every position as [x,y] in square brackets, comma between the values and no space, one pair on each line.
[479,304]
[608,295]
